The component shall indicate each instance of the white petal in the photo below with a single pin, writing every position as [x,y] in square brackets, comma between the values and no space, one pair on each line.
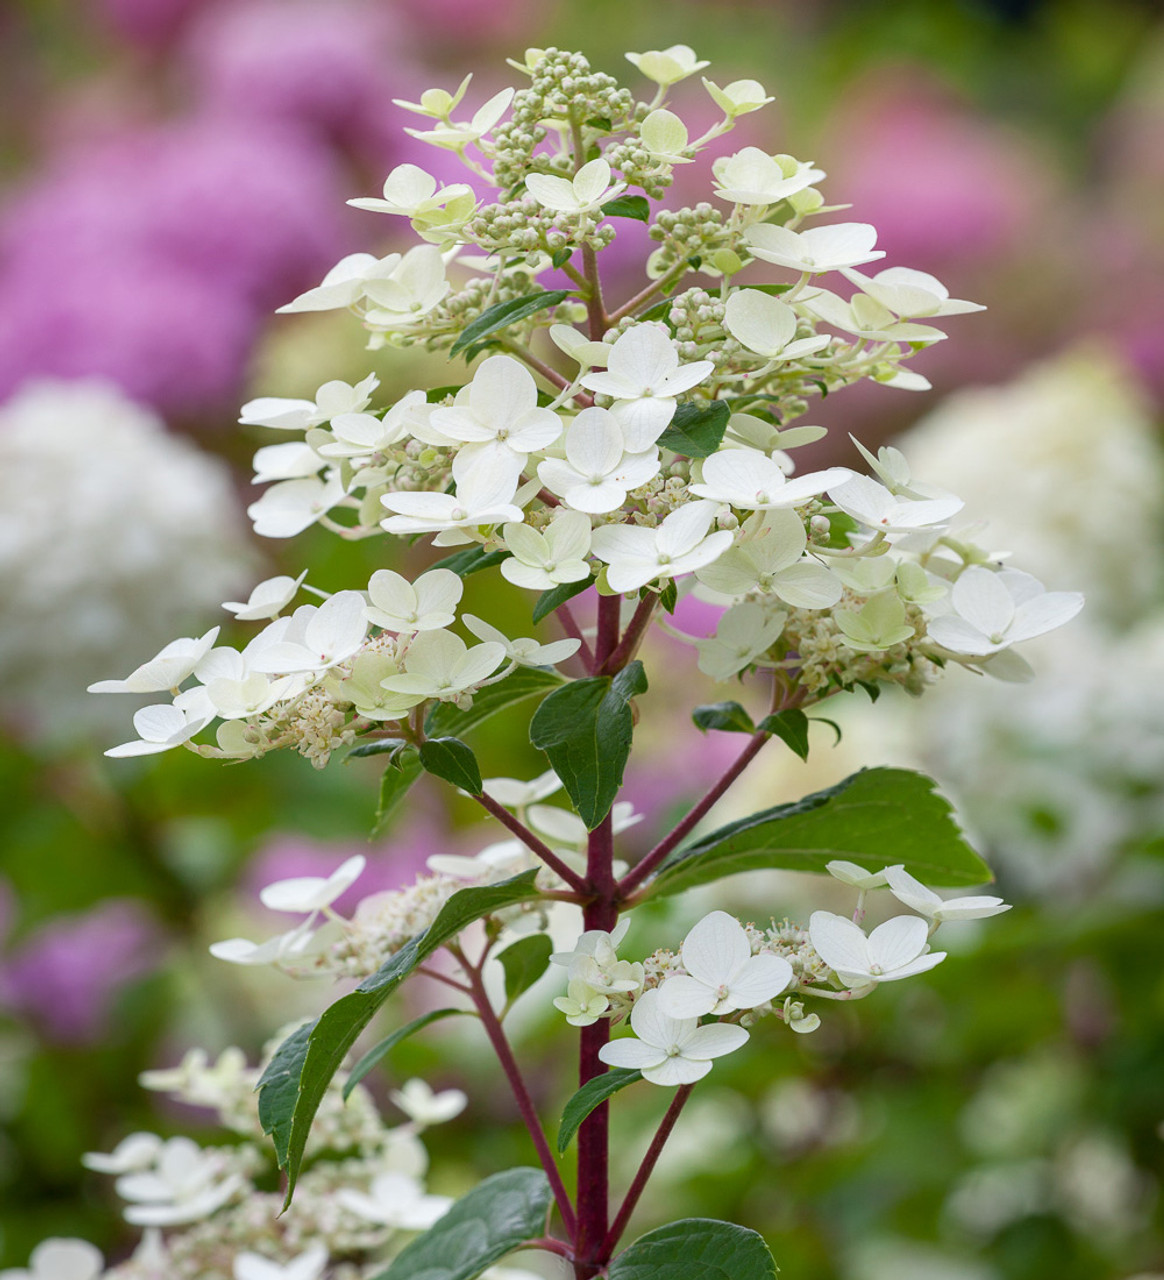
[684,997]
[762,978]
[676,1071]
[715,949]
[631,1053]
[839,942]
[983,601]
[714,1040]
[897,942]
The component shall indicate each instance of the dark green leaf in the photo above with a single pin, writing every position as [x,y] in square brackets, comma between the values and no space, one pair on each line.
[823,386]
[600,122]
[873,690]
[561,257]
[585,728]
[496,1217]
[452,760]
[832,724]
[549,600]
[502,314]
[729,717]
[773,290]
[695,262]
[637,207]
[382,746]
[437,394]
[471,560]
[875,818]
[696,1249]
[659,311]
[696,431]
[791,727]
[378,1052]
[403,770]
[446,718]
[592,1094]
[295,1082]
[669,596]
[524,963]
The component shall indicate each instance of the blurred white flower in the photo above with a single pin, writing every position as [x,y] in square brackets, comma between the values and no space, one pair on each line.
[60,1259]
[423,1106]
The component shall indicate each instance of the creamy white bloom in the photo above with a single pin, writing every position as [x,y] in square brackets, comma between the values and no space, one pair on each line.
[768,556]
[186,1184]
[751,481]
[412,193]
[525,651]
[598,470]
[995,610]
[484,496]
[266,600]
[741,636]
[664,136]
[456,137]
[436,103]
[681,544]
[872,504]
[343,286]
[817,249]
[722,974]
[404,607]
[898,948]
[307,1266]
[290,506]
[161,728]
[283,947]
[867,318]
[58,1258]
[440,665]
[587,190]
[166,669]
[396,1200]
[767,326]
[305,895]
[667,66]
[908,293]
[134,1152]
[331,400]
[561,827]
[544,560]
[579,347]
[355,435]
[318,638]
[752,176]
[495,862]
[582,1004]
[290,461]
[878,624]
[423,1106]
[403,296]
[910,892]
[670,1051]
[514,794]
[739,97]
[851,874]
[644,376]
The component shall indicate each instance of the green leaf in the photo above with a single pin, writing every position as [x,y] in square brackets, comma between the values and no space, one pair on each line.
[378,1052]
[729,717]
[524,963]
[496,1217]
[561,257]
[549,600]
[381,747]
[403,770]
[659,311]
[773,290]
[696,431]
[696,1249]
[446,718]
[452,760]
[585,728]
[471,560]
[592,1094]
[637,207]
[437,394]
[600,122]
[503,314]
[669,596]
[293,1085]
[791,727]
[874,818]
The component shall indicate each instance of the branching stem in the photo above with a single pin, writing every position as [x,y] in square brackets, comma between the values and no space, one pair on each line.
[531,842]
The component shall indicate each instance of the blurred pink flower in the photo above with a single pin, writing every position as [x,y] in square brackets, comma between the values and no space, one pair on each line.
[152,24]
[67,973]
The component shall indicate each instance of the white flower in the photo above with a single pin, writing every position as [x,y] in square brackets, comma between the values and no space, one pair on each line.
[290,506]
[544,560]
[440,665]
[484,496]
[751,481]
[817,249]
[135,1152]
[598,470]
[879,624]
[424,1107]
[165,670]
[409,291]
[741,636]
[496,417]
[186,1185]
[60,1259]
[995,610]
[769,556]
[579,347]
[796,1020]
[664,135]
[909,293]
[343,286]
[891,467]
[160,728]
[290,461]
[667,66]
[404,607]
[396,1200]
[355,435]
[644,376]
[722,974]
[896,949]
[867,318]
[670,1051]
[455,137]
[767,326]
[525,651]
[318,638]
[739,97]
[851,874]
[276,950]
[305,895]
[589,188]
[331,400]
[267,600]
[872,504]
[436,103]
[681,544]
[514,794]
[910,892]
[751,176]
[562,827]
[581,1004]
[412,193]
[308,1266]
[495,862]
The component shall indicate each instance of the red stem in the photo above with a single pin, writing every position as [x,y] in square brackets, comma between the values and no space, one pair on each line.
[527,837]
[496,1034]
[638,874]
[647,1167]
[632,637]
[569,625]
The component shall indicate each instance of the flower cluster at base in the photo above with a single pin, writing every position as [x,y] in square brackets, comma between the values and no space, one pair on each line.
[652,446]
[204,1218]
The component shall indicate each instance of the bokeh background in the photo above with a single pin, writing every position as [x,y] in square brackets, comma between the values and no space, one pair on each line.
[172,170]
